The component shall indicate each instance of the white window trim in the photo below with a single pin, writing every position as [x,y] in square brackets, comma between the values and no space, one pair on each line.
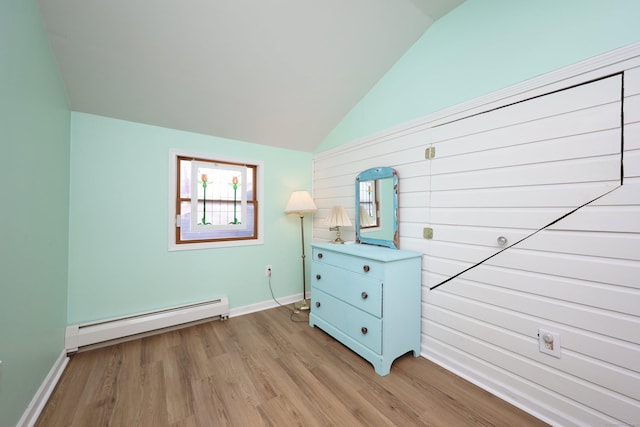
[172,214]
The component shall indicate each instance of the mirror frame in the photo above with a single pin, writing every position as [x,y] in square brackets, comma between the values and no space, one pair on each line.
[374,174]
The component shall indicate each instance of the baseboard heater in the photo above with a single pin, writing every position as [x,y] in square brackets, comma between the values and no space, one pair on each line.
[82,335]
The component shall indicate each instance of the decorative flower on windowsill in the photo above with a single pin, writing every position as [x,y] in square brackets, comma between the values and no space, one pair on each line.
[204,180]
[234,184]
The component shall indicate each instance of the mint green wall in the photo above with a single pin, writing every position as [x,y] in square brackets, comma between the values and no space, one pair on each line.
[119,262]
[483,46]
[34,171]
[115,220]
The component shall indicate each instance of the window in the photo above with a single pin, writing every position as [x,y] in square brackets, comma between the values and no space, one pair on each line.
[369,211]
[214,202]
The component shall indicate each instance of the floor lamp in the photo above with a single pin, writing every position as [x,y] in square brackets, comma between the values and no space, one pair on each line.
[301,203]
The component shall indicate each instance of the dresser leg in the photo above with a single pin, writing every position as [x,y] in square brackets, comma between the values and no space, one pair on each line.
[383,368]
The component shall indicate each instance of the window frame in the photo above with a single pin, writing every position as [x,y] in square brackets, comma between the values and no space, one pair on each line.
[174,200]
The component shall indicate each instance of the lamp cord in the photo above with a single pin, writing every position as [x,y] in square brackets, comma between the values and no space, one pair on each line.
[293,311]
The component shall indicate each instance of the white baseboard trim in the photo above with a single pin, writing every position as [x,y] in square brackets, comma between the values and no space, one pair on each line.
[31,414]
[265,305]
[532,410]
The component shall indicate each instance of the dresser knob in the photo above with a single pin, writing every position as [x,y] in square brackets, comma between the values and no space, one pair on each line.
[318,304]
[366,268]
[364,330]
[364,295]
[502,240]
[320,255]
[318,277]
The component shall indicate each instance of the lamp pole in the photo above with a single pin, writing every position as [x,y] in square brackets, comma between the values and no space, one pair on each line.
[303,305]
[301,203]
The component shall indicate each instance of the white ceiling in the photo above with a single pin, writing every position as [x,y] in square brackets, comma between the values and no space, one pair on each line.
[275,72]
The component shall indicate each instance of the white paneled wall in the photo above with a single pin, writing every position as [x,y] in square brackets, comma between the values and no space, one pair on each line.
[507,165]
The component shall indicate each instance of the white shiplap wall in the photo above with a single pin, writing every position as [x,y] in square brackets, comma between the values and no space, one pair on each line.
[579,278]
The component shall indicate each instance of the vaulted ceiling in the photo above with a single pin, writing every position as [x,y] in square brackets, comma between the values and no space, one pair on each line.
[275,72]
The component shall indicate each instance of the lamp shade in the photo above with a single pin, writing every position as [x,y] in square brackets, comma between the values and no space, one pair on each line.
[338,217]
[300,203]
[365,218]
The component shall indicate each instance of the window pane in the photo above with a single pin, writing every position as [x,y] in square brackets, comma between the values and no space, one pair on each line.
[185,179]
[244,230]
[249,184]
[218,195]
[219,213]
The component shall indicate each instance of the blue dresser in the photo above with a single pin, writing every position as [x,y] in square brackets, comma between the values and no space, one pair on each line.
[368,298]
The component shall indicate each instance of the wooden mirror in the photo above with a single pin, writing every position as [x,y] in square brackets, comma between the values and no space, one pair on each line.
[377,207]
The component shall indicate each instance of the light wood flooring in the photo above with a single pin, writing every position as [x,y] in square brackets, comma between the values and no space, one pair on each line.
[262,369]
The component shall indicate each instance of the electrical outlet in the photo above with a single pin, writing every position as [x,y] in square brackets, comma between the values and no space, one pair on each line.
[549,342]
[267,271]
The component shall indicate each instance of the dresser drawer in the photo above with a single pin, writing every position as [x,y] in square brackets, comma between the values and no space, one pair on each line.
[361,326]
[360,291]
[367,267]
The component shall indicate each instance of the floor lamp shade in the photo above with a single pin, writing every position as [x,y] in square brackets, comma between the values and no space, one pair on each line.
[301,203]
